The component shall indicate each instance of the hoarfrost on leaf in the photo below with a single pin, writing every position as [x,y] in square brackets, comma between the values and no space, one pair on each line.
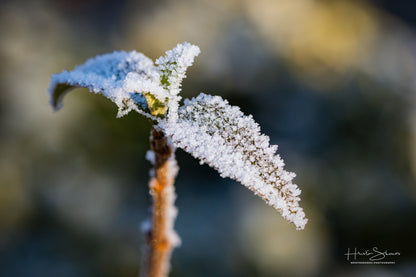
[207,127]
[121,76]
[174,64]
[223,137]
[172,68]
[116,76]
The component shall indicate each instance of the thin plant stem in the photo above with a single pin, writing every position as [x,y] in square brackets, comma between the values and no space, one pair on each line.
[161,237]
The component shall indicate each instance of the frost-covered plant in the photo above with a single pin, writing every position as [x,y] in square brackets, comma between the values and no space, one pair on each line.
[207,127]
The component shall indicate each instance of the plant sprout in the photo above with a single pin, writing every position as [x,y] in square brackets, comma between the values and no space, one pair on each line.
[207,127]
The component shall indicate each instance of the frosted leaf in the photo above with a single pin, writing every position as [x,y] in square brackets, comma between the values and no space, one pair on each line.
[172,69]
[117,76]
[223,137]
[207,126]
[173,65]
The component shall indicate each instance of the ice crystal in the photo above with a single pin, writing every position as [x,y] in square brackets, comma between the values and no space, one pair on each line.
[223,137]
[207,127]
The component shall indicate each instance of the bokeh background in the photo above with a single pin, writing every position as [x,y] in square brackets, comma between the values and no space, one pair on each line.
[332,83]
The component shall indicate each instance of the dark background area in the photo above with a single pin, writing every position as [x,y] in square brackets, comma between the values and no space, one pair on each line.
[331,82]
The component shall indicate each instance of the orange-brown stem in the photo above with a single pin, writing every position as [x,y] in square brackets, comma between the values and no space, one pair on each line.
[161,238]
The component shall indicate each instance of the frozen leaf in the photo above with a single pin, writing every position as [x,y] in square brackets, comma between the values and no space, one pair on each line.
[172,69]
[206,127]
[116,76]
[173,65]
[223,137]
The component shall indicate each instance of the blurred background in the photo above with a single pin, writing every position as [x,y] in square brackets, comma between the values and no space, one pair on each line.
[332,83]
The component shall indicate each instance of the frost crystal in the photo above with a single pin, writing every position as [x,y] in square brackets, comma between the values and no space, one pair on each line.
[223,137]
